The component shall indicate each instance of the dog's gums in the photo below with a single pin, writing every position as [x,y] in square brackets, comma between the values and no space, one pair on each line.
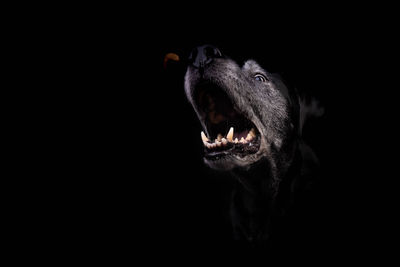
[221,146]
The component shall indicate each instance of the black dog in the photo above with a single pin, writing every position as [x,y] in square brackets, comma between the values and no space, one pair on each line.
[252,127]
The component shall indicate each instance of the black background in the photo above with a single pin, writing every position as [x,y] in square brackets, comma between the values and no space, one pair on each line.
[140,177]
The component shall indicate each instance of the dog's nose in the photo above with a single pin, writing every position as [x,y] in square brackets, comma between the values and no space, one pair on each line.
[204,55]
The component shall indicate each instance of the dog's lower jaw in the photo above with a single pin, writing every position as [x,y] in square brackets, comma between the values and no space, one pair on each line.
[232,162]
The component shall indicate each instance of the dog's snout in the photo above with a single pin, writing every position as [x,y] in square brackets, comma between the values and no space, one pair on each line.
[204,55]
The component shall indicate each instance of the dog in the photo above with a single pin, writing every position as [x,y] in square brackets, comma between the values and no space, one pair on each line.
[252,126]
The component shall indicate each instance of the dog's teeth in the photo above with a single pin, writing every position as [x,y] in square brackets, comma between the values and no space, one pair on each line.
[219,137]
[229,136]
[243,141]
[249,137]
[204,137]
[236,141]
[252,132]
[218,143]
[224,141]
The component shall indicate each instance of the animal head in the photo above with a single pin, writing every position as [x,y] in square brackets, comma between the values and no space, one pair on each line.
[247,113]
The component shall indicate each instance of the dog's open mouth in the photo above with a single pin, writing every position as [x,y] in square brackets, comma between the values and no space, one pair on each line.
[229,132]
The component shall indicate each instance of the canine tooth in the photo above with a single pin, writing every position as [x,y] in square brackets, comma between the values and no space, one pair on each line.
[229,136]
[236,141]
[249,137]
[252,132]
[218,143]
[219,137]
[224,141]
[204,137]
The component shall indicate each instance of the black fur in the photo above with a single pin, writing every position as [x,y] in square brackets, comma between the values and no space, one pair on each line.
[269,181]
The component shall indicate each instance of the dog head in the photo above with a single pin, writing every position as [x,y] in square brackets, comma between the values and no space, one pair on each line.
[247,114]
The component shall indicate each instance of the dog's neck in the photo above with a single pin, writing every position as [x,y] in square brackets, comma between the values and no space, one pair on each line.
[255,199]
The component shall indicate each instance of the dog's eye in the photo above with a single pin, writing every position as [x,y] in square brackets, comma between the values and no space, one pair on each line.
[261,78]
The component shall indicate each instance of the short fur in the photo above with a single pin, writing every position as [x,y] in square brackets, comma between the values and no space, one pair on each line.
[269,179]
